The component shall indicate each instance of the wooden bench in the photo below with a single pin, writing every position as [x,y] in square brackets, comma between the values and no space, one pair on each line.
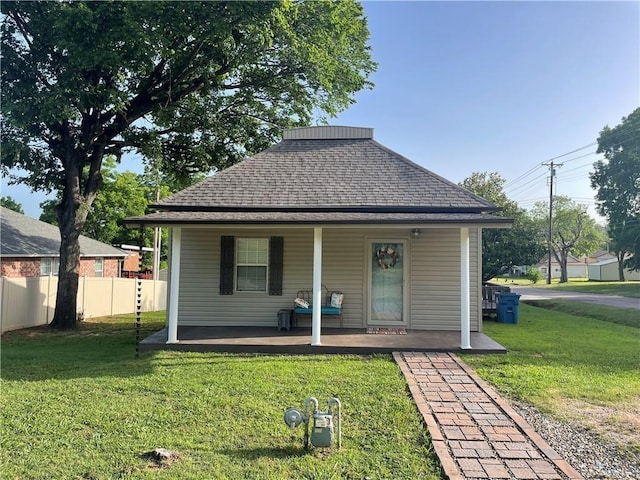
[331,304]
[489,301]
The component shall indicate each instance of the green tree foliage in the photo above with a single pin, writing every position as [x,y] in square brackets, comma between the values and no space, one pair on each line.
[534,275]
[11,204]
[504,248]
[198,85]
[617,181]
[574,232]
[122,195]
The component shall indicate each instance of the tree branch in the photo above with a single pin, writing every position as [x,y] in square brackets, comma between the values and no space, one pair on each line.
[27,36]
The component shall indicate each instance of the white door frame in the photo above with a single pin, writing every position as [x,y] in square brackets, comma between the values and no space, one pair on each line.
[405,280]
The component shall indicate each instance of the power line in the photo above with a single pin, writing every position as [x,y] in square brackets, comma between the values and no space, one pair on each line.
[511,184]
[584,165]
[523,188]
[581,156]
[522,177]
[569,153]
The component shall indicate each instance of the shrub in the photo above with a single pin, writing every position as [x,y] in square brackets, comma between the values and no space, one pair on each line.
[534,275]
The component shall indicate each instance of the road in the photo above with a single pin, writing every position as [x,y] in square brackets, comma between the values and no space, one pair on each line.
[533,293]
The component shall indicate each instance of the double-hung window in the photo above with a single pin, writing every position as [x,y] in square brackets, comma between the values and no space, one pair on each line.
[252,264]
[99,267]
[49,266]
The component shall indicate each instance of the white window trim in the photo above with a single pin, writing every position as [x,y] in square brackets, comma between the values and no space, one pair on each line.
[239,264]
[54,266]
[95,265]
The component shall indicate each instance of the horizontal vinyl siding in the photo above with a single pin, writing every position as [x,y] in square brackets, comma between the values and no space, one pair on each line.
[433,281]
[343,269]
[200,300]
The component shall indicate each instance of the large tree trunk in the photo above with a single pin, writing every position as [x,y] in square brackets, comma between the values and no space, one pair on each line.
[621,265]
[66,312]
[72,215]
[70,222]
[564,275]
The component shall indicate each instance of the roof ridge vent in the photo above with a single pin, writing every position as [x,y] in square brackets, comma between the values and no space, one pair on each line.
[328,132]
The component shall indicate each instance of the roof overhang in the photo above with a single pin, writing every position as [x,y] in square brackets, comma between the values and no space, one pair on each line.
[309,218]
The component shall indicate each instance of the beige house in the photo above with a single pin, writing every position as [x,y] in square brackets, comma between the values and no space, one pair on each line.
[326,206]
[607,271]
[575,268]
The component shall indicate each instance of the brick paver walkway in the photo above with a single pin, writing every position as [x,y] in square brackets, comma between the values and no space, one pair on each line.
[475,433]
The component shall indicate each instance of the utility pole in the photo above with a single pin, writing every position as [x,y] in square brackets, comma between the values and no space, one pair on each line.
[552,174]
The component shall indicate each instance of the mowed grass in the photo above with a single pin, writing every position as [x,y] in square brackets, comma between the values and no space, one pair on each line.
[630,288]
[556,360]
[623,316]
[80,405]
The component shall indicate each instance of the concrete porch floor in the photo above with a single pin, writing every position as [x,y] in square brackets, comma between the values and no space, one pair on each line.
[298,341]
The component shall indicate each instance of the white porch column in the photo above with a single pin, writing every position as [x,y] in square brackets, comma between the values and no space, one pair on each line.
[174,285]
[465,323]
[317,287]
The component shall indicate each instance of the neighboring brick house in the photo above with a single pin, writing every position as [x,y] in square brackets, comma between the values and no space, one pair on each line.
[31,248]
[131,265]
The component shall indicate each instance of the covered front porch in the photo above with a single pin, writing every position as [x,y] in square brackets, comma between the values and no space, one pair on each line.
[298,341]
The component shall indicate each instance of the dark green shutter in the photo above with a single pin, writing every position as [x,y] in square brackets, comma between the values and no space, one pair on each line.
[276,257]
[227,259]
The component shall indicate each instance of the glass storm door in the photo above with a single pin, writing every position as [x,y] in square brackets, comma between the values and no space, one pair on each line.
[386,287]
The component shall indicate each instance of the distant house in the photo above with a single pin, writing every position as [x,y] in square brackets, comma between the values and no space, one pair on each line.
[575,268]
[599,256]
[131,265]
[607,271]
[326,206]
[31,248]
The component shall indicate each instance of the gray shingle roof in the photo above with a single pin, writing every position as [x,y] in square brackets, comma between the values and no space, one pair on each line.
[22,236]
[325,174]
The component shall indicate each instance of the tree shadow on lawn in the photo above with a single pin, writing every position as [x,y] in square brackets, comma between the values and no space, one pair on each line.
[62,357]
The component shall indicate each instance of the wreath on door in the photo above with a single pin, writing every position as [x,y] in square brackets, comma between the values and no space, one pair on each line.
[387,257]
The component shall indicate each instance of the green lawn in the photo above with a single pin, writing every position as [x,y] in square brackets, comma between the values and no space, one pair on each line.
[625,289]
[629,288]
[623,316]
[558,361]
[80,405]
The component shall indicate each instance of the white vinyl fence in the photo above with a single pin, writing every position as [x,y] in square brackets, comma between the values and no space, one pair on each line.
[29,302]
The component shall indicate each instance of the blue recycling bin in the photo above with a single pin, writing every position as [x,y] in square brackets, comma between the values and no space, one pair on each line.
[508,307]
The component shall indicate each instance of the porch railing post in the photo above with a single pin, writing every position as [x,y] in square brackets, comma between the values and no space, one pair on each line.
[317,287]
[465,323]
[174,286]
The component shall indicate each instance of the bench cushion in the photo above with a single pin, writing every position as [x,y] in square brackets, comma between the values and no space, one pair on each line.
[325,311]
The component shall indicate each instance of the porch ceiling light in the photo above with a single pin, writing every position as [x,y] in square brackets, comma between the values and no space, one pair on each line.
[415,233]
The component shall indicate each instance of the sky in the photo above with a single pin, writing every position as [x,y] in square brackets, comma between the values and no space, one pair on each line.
[465,87]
